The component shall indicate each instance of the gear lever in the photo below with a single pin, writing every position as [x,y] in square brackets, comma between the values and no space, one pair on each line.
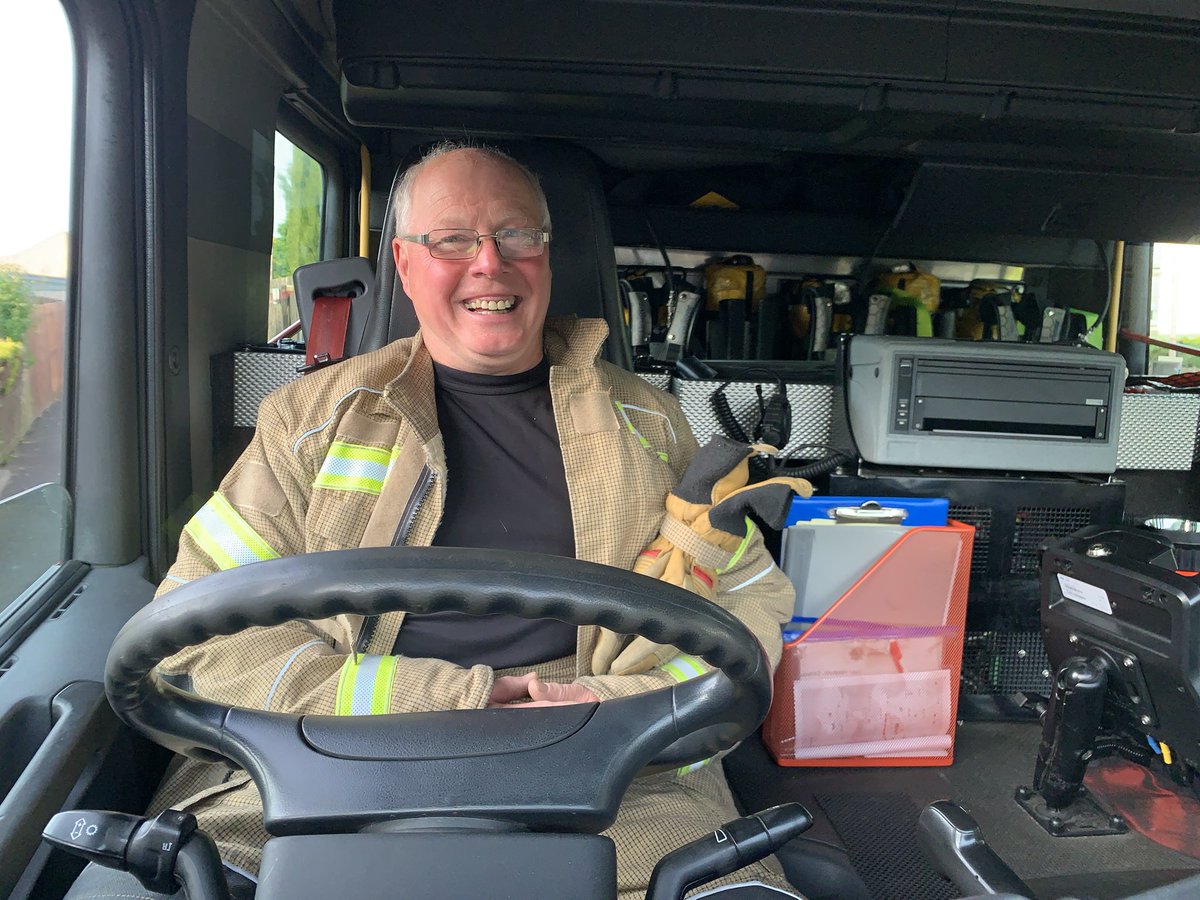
[733,845]
[954,843]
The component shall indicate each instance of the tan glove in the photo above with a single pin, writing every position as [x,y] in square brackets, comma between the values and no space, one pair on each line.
[704,527]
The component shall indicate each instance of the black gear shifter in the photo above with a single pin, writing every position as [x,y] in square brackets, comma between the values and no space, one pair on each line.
[162,852]
[733,845]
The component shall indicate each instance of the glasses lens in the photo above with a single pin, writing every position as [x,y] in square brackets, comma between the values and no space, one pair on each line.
[452,243]
[520,243]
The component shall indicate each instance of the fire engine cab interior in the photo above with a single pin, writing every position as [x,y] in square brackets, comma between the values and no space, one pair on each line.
[908,244]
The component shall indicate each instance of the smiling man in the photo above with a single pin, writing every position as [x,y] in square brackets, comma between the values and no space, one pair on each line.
[493,427]
[481,301]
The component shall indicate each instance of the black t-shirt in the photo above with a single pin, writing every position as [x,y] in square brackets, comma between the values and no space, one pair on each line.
[506,489]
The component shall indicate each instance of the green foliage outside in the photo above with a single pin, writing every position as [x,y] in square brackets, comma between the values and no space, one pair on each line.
[10,364]
[16,313]
[298,237]
[16,304]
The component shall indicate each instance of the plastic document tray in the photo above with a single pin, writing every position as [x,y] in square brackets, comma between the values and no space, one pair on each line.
[874,681]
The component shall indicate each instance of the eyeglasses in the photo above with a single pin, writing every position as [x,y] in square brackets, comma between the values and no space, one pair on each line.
[463,243]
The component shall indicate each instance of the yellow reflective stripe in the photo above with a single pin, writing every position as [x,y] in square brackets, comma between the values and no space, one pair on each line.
[381,693]
[345,687]
[224,535]
[682,667]
[641,438]
[741,550]
[354,467]
[346,450]
[365,685]
[683,770]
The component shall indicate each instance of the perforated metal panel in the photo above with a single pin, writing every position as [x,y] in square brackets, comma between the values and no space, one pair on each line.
[1005,662]
[981,518]
[255,374]
[811,405]
[660,380]
[1158,431]
[1034,524]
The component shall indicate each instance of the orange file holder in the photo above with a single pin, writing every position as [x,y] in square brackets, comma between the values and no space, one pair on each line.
[874,681]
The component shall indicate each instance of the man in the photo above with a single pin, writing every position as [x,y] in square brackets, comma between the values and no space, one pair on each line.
[493,427]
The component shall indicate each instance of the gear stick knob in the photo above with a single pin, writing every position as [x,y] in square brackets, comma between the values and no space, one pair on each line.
[733,845]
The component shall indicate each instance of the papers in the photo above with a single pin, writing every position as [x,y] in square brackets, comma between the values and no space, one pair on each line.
[883,714]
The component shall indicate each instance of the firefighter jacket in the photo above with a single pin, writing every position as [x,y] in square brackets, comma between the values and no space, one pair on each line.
[351,456]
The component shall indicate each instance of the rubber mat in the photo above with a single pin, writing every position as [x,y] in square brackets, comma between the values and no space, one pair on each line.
[880,835]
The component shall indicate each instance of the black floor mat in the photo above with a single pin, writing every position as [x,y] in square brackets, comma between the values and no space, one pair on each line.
[879,832]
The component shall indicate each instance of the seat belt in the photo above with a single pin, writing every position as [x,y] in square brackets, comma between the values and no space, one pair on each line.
[326,342]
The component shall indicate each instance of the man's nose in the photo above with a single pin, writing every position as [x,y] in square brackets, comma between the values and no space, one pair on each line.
[488,259]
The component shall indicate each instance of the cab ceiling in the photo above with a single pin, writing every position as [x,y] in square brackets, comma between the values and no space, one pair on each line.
[1099,82]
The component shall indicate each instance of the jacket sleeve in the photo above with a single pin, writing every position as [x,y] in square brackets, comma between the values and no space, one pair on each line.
[753,588]
[259,513]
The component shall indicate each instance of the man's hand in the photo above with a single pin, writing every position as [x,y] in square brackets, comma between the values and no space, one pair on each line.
[514,688]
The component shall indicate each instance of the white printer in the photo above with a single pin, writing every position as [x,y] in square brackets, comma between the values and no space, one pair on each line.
[998,406]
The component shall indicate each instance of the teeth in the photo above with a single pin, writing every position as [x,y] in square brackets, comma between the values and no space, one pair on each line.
[490,305]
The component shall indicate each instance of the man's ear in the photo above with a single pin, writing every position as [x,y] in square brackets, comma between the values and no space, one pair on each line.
[400,255]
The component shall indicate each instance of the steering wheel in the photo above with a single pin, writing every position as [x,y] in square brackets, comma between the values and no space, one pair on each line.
[562,768]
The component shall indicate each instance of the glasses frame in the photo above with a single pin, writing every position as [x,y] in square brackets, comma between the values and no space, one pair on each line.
[423,239]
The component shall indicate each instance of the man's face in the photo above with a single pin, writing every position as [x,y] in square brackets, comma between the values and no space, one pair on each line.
[465,189]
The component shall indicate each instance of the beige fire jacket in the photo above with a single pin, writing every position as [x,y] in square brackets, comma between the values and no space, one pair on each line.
[352,457]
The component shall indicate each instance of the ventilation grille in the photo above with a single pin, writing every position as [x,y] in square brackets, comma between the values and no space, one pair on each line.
[1034,524]
[981,518]
[1005,662]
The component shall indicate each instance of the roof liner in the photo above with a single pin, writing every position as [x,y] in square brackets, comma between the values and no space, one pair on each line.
[1089,88]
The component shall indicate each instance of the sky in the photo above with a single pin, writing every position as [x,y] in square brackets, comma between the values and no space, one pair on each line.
[36,73]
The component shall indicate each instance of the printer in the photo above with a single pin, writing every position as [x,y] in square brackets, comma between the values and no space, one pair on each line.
[997,406]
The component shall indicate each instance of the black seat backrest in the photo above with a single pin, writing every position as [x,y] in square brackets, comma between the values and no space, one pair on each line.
[581,252]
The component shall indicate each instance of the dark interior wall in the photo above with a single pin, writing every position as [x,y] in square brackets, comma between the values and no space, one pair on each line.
[233,96]
[1085,289]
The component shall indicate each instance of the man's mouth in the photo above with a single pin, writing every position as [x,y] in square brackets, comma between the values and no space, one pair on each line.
[490,304]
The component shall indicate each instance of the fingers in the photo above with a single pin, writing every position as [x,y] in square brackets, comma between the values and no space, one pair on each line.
[507,688]
[552,692]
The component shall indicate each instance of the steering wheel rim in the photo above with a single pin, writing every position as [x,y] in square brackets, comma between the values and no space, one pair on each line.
[702,716]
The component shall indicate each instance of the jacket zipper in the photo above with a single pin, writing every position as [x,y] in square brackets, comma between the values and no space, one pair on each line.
[415,501]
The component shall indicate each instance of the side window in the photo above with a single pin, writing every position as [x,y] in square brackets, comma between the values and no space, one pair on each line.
[1174,312]
[299,201]
[35,184]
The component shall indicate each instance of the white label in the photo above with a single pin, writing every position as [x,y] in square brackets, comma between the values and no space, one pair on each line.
[1087,594]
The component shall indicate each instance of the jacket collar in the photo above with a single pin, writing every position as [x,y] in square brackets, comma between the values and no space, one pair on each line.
[567,340]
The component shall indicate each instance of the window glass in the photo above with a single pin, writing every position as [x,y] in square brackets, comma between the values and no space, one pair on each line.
[1174,312]
[35,188]
[299,199]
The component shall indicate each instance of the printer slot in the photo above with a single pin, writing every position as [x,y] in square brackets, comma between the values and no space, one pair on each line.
[975,416]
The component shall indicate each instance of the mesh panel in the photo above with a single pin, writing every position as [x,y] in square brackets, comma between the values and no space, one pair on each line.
[660,380]
[256,374]
[1034,524]
[880,834]
[811,405]
[980,517]
[875,680]
[1158,431]
[1005,662]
